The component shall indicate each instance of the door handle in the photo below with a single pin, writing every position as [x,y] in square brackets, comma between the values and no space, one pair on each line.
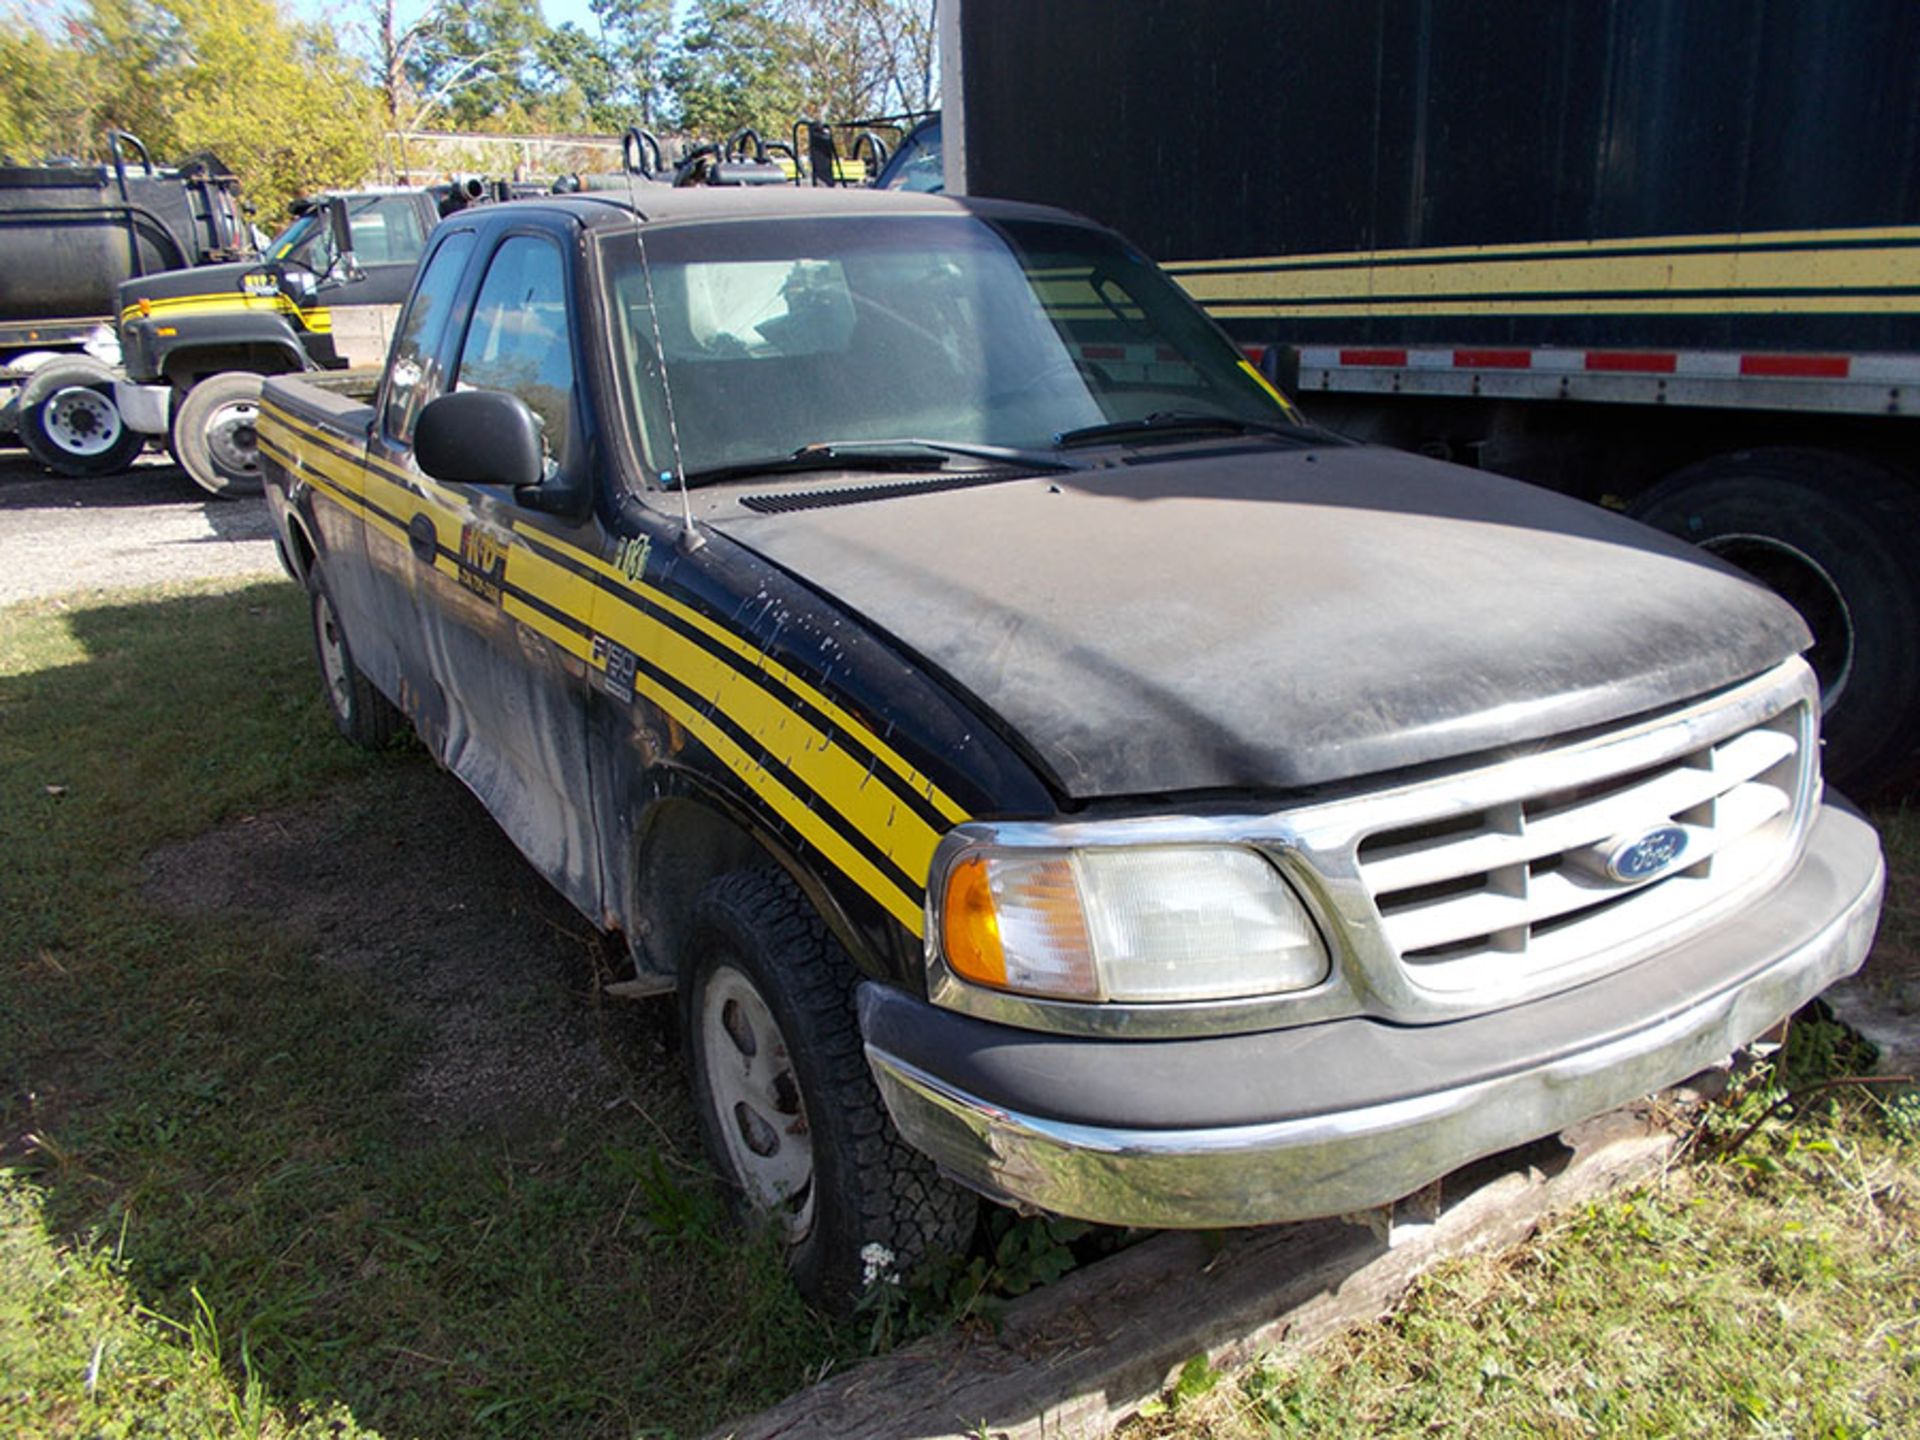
[420,535]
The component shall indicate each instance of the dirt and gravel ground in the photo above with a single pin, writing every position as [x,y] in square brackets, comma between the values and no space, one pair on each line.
[405,877]
[146,527]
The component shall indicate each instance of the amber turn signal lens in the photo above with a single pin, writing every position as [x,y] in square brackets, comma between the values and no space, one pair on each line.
[970,930]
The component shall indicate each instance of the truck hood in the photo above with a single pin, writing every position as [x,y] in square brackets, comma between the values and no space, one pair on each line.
[1250,617]
[214,280]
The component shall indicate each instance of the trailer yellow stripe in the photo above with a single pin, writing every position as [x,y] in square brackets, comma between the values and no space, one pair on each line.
[1589,276]
[1867,304]
[1880,235]
[1873,271]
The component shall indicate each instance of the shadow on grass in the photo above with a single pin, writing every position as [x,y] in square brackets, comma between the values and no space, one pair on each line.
[295,1030]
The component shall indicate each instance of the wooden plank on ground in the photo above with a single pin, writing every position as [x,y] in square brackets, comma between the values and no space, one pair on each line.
[1080,1356]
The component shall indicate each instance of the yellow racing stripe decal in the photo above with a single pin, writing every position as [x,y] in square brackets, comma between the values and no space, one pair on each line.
[822,763]
[397,479]
[774,671]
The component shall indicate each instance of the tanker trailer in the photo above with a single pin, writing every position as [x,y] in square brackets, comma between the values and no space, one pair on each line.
[70,234]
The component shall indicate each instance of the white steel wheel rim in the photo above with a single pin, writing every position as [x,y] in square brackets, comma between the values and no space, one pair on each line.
[333,656]
[233,438]
[756,1101]
[81,421]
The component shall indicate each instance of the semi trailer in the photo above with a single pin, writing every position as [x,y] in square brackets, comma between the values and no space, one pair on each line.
[1664,256]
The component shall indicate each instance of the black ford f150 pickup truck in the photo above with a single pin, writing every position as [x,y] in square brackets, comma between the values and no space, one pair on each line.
[1036,757]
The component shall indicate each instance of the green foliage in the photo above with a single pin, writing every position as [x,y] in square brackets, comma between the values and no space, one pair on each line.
[471,67]
[278,101]
[1725,1300]
[735,68]
[1012,1255]
[291,110]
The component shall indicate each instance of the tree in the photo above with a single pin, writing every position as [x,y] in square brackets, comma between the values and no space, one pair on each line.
[856,58]
[636,35]
[280,103]
[822,59]
[473,63]
[277,101]
[734,67]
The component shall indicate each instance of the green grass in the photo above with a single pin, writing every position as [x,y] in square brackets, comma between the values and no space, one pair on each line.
[212,1183]
[219,1215]
[1768,1285]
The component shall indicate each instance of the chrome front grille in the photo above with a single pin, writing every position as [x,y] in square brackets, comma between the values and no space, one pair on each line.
[1485,885]
[1499,887]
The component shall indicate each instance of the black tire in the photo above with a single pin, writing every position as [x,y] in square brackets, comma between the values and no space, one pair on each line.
[865,1185]
[214,436]
[360,712]
[1840,539]
[70,423]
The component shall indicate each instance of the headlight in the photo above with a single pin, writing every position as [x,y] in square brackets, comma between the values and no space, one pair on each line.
[1141,924]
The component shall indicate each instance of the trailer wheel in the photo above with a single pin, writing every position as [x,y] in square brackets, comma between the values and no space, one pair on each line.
[69,422]
[786,1104]
[215,435]
[1839,538]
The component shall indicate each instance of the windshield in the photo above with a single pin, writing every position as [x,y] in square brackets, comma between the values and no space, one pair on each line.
[307,242]
[917,165]
[779,335]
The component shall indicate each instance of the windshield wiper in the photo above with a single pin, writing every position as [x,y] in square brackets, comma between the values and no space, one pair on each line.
[1174,423]
[906,454]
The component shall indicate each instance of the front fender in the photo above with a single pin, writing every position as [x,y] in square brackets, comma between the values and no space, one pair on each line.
[201,344]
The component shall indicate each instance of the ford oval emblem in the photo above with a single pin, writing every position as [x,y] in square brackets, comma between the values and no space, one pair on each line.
[1648,855]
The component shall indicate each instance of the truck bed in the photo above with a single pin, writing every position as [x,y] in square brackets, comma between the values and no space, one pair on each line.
[338,401]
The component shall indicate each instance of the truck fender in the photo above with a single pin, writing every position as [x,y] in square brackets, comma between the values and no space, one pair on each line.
[685,831]
[265,345]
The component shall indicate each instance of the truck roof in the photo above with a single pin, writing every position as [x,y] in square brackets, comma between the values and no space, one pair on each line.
[662,204]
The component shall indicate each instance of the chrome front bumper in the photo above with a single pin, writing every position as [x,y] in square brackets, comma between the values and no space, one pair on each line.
[1764,963]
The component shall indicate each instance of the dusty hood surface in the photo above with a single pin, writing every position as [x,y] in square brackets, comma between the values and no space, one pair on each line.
[1271,618]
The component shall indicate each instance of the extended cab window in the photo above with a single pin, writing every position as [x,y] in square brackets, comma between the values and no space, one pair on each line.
[412,375]
[518,339]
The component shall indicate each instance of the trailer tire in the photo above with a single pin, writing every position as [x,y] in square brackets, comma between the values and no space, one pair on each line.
[68,421]
[214,434]
[1839,538]
[786,1104]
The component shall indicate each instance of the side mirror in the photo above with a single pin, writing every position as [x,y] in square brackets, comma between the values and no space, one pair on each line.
[345,268]
[489,437]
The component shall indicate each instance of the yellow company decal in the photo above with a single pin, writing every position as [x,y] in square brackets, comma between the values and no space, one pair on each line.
[756,696]
[1798,272]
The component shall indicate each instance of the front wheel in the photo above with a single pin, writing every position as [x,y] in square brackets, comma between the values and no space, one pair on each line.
[215,434]
[787,1105]
[69,422]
